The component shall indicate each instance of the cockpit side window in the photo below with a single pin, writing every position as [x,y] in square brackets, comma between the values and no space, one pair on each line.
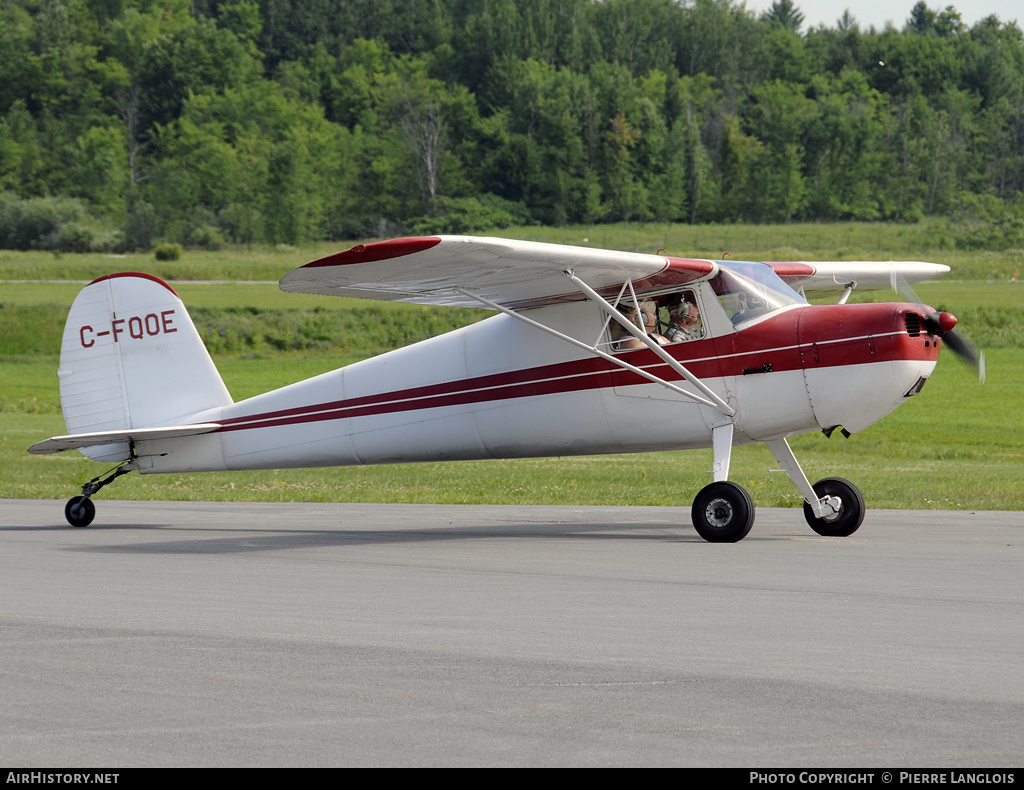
[667,318]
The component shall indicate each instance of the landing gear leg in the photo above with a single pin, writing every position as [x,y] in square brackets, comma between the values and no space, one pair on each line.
[832,507]
[722,512]
[80,510]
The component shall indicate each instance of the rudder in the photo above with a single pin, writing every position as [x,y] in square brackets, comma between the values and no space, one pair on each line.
[132,358]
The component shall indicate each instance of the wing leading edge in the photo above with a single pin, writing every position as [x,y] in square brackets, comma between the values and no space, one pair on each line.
[827,277]
[514,274]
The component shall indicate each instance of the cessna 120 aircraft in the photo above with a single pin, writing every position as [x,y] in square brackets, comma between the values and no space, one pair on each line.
[591,351]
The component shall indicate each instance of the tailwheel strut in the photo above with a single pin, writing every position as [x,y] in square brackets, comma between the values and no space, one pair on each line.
[80,510]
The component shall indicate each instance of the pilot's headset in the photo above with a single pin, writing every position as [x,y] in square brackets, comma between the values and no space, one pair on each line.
[682,310]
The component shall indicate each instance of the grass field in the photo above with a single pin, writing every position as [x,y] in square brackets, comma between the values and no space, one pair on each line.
[960,445]
[926,240]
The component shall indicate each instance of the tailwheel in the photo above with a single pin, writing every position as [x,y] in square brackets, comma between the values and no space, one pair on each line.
[80,511]
[723,512]
[846,517]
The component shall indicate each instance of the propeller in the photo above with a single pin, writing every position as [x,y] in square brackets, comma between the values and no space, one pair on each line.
[941,325]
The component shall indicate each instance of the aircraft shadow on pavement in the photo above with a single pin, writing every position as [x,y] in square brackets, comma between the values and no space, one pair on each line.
[237,541]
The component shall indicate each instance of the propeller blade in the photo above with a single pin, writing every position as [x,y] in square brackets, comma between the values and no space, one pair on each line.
[957,343]
[966,350]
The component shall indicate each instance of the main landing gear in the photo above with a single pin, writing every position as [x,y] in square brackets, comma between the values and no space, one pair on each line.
[723,512]
[80,510]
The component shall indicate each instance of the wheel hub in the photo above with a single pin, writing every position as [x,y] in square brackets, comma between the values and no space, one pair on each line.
[832,509]
[719,512]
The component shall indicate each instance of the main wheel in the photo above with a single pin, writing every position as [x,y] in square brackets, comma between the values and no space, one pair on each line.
[851,511]
[79,511]
[723,512]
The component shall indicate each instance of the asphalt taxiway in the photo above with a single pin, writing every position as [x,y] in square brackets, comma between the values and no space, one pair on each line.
[215,634]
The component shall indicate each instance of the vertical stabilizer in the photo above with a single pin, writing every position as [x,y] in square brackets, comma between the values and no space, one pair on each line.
[132,358]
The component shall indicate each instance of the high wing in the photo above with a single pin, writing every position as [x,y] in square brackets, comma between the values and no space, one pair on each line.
[439,270]
[509,276]
[821,278]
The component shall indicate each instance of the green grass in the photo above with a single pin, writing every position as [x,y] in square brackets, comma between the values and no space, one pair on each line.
[926,240]
[260,319]
[257,320]
[959,445]
[241,265]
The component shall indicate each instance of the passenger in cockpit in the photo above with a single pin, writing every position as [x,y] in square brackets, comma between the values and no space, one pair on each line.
[649,310]
[647,320]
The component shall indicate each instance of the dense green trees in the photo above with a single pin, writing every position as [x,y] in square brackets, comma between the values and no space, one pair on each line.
[283,121]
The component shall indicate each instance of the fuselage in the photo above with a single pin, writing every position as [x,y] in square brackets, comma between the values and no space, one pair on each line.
[501,388]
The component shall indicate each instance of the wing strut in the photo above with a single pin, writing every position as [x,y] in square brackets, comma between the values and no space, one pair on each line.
[598,352]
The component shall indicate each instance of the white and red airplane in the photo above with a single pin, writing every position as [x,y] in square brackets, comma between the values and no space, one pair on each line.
[566,367]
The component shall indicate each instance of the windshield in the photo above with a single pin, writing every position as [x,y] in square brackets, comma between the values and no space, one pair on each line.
[750,290]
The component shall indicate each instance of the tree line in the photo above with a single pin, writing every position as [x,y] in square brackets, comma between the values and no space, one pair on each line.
[285,121]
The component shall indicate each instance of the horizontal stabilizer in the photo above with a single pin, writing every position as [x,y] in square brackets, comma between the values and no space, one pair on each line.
[57,444]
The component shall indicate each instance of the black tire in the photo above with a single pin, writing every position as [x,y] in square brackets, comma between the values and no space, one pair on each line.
[851,512]
[80,511]
[723,513]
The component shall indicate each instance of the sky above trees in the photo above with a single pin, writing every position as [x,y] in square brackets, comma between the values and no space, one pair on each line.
[879,13]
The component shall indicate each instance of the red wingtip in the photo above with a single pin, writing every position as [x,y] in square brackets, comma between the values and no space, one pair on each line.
[378,251]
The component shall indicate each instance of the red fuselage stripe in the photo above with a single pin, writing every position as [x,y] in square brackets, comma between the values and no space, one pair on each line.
[705,359]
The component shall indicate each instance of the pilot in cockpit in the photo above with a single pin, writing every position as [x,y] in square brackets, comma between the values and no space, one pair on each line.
[684,320]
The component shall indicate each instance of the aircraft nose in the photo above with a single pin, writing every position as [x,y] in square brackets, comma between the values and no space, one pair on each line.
[917,331]
[862,361]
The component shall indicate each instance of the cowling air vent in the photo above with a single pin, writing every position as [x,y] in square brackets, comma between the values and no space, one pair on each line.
[913,324]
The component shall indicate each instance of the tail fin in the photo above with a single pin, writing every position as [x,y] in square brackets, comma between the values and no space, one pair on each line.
[132,358]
